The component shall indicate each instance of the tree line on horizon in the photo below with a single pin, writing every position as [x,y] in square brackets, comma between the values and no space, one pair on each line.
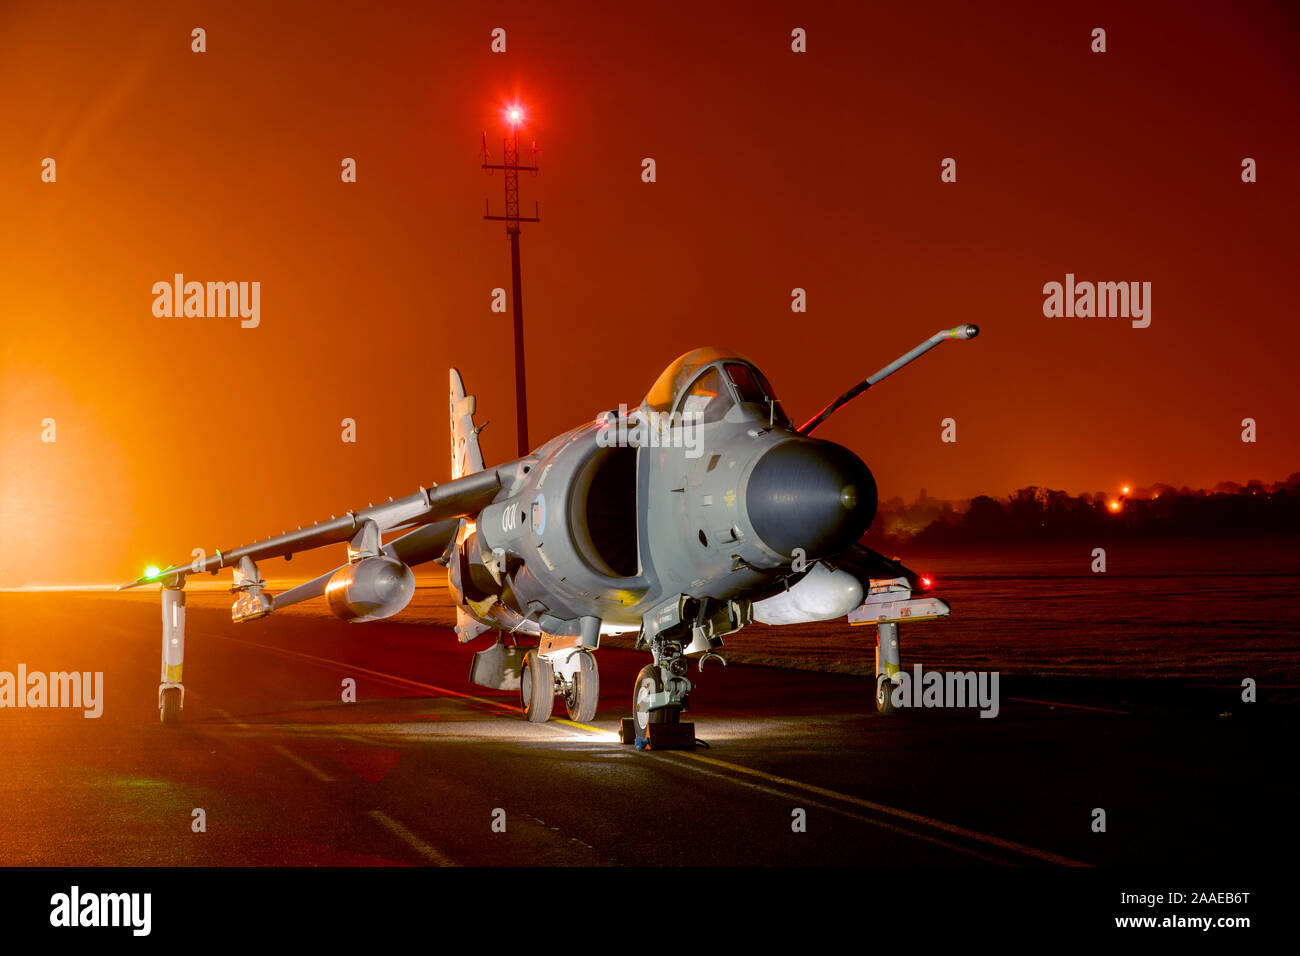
[1034,514]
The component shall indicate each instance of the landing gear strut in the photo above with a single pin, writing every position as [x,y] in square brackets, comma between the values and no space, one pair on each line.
[659,696]
[171,692]
[671,630]
[887,665]
[889,600]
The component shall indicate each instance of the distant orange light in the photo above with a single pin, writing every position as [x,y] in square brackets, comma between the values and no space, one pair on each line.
[1125,490]
[1114,506]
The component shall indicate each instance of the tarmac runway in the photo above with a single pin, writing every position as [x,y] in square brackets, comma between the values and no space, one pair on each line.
[428,769]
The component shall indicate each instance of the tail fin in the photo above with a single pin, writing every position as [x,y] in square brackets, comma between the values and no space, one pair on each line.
[466,456]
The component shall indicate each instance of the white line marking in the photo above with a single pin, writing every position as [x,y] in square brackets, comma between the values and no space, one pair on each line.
[410,838]
[963,832]
[952,828]
[312,769]
[1057,703]
[231,717]
[847,813]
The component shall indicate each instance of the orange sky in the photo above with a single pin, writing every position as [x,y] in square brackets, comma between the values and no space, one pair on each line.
[775,170]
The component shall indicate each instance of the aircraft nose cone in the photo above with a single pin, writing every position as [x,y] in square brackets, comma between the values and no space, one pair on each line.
[810,494]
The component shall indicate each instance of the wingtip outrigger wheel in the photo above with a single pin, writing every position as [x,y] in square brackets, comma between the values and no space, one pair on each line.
[887,666]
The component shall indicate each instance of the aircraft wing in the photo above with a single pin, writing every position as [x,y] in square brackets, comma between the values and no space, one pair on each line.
[427,510]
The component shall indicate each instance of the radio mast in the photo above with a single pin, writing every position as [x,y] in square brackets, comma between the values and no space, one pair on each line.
[514,116]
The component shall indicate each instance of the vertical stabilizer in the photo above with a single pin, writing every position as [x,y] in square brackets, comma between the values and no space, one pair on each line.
[466,456]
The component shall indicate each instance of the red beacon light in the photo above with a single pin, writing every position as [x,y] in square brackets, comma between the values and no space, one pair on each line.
[926,583]
[514,114]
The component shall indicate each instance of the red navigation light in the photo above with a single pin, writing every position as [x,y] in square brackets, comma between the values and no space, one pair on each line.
[514,114]
[926,583]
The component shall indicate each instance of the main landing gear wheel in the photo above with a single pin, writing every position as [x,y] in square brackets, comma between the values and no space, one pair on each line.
[536,688]
[582,700]
[884,694]
[648,684]
[171,705]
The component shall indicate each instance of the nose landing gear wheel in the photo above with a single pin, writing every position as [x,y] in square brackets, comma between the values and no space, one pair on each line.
[536,688]
[647,684]
[582,700]
[884,694]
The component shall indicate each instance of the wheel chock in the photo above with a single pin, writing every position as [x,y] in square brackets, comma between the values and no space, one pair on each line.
[627,731]
[671,736]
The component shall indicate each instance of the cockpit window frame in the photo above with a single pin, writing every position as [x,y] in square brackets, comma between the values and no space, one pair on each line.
[721,368]
[776,410]
[738,391]
[681,373]
[686,370]
[712,411]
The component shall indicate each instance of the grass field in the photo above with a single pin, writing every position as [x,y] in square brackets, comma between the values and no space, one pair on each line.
[1203,610]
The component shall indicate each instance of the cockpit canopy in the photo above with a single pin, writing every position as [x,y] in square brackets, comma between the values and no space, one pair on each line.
[709,382]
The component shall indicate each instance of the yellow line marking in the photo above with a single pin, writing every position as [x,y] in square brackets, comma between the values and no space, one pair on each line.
[895,812]
[574,723]
[309,767]
[394,679]
[424,849]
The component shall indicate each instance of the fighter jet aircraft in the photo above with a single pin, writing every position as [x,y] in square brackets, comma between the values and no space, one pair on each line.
[683,520]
